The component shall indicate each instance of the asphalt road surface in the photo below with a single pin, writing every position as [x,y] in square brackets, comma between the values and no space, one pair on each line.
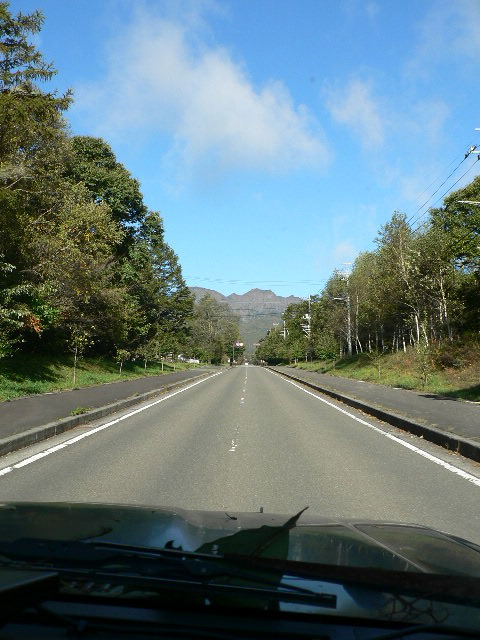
[247,438]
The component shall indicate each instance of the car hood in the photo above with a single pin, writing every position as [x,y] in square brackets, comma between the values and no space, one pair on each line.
[302,537]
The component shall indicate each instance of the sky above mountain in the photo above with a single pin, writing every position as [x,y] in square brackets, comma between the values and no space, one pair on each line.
[274,136]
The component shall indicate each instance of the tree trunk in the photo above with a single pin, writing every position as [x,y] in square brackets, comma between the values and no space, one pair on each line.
[417,326]
[75,357]
[425,333]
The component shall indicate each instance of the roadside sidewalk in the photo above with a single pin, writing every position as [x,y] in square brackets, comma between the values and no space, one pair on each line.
[452,423]
[32,418]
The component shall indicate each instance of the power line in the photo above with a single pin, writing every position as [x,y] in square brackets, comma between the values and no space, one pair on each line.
[411,220]
[248,282]
[447,191]
[433,182]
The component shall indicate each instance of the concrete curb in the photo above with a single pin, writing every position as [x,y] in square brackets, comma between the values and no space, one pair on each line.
[37,434]
[463,446]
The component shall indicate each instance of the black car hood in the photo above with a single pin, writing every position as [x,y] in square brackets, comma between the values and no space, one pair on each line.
[303,538]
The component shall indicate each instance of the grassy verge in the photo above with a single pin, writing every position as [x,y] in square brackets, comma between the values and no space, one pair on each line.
[403,370]
[28,374]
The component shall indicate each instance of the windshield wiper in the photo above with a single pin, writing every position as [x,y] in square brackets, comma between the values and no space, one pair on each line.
[157,565]
[147,568]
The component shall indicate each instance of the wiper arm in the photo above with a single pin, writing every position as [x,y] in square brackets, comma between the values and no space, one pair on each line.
[145,568]
[449,588]
[146,563]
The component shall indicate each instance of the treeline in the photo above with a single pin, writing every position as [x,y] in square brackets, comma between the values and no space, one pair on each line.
[84,265]
[213,331]
[420,287]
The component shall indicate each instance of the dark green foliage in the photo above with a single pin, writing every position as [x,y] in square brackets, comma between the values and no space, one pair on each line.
[83,264]
[93,163]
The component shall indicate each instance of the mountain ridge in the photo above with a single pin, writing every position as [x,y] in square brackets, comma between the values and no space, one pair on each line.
[258,310]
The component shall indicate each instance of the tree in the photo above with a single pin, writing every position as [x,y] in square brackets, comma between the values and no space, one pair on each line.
[32,129]
[460,219]
[94,164]
[272,348]
[151,274]
[20,62]
[74,268]
[175,301]
[14,312]
[84,261]
[213,329]
[398,262]
[33,144]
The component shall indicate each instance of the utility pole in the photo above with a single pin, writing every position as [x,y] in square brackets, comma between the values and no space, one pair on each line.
[307,317]
[307,325]
[346,275]
[473,149]
[349,324]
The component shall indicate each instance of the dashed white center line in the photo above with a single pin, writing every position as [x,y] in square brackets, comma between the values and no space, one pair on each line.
[235,439]
[234,443]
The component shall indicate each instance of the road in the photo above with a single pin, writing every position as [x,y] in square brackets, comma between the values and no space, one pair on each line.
[247,438]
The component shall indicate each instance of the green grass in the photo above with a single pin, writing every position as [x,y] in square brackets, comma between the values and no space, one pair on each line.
[402,370]
[25,374]
[80,411]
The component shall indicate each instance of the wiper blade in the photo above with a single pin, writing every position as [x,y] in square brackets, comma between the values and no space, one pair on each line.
[160,564]
[451,588]
[145,567]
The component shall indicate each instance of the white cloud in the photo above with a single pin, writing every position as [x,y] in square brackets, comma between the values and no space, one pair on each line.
[164,81]
[355,107]
[355,9]
[372,9]
[448,31]
[344,251]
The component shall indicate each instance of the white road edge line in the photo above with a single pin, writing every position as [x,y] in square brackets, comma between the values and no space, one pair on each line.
[87,434]
[446,465]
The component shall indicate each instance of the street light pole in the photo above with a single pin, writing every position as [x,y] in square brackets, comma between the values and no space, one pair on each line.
[346,275]
[349,323]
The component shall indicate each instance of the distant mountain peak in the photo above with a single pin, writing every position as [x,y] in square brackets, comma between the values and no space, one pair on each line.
[258,309]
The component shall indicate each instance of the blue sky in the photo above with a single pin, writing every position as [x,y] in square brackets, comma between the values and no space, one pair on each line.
[274,136]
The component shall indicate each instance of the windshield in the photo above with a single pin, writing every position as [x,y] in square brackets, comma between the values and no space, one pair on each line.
[240,274]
